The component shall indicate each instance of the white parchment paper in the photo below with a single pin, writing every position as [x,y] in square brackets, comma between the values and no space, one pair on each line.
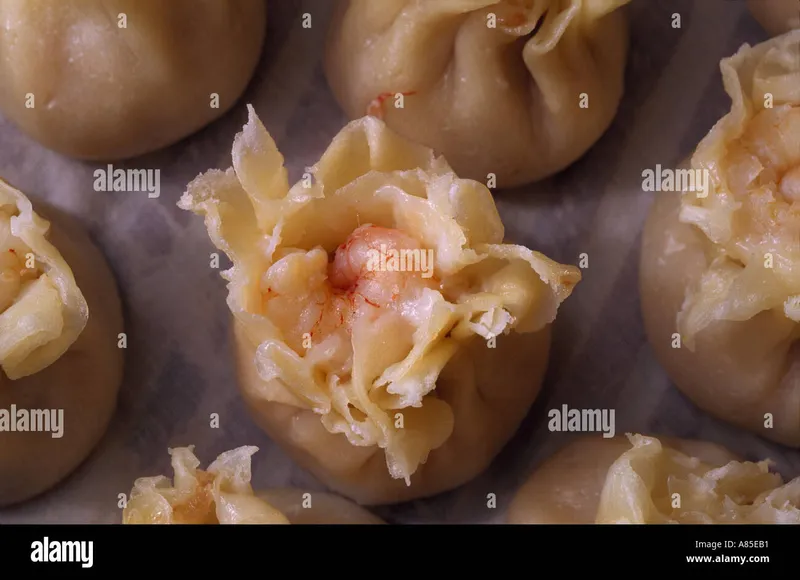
[179,367]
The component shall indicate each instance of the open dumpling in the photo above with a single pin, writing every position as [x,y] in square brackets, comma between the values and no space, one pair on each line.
[222,494]
[110,79]
[776,16]
[61,369]
[515,89]
[643,480]
[720,269]
[386,336]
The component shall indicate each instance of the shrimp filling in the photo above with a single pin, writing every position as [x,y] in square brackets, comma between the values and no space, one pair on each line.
[18,267]
[376,276]
[752,217]
[763,175]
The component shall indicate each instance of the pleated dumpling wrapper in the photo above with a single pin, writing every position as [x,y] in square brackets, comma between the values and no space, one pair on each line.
[112,79]
[776,16]
[509,91]
[643,480]
[61,368]
[43,310]
[222,494]
[379,317]
[720,262]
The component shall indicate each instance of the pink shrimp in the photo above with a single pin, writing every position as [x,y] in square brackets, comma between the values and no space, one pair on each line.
[376,272]
[374,269]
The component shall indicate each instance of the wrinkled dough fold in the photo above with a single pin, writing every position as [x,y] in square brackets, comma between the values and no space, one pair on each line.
[42,310]
[515,89]
[222,494]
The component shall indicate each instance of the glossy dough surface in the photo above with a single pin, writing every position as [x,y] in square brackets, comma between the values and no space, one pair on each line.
[59,323]
[621,480]
[776,16]
[370,375]
[222,494]
[103,92]
[723,271]
[495,86]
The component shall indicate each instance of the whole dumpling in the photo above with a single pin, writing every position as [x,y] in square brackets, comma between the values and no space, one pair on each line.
[506,90]
[222,494]
[60,317]
[720,270]
[112,79]
[386,336]
[776,16]
[644,480]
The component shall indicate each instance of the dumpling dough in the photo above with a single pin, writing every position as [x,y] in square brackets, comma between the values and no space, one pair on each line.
[634,479]
[776,16]
[723,271]
[518,89]
[102,92]
[222,494]
[59,322]
[386,336]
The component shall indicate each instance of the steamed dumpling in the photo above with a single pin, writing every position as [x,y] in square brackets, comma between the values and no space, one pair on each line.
[222,494]
[112,79]
[720,274]
[643,480]
[386,336]
[776,16]
[60,316]
[515,89]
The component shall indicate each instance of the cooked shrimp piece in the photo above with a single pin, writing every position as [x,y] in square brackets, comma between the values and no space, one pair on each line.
[380,265]
[376,272]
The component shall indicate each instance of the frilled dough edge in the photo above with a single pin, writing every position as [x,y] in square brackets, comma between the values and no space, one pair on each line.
[50,312]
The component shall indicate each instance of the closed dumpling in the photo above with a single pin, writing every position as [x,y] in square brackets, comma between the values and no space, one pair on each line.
[60,317]
[385,334]
[223,494]
[776,16]
[643,480]
[508,91]
[720,269]
[111,79]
